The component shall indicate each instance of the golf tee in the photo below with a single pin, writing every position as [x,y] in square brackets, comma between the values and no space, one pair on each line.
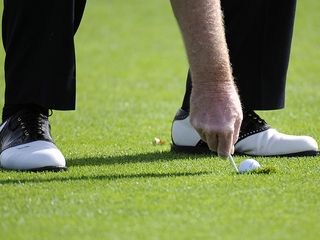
[233,163]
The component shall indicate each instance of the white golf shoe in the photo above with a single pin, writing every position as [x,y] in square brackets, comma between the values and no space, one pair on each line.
[26,143]
[256,138]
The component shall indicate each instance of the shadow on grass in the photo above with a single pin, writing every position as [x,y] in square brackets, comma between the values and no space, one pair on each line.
[110,177]
[109,160]
[136,158]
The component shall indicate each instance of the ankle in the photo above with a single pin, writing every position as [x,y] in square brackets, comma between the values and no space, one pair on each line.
[11,109]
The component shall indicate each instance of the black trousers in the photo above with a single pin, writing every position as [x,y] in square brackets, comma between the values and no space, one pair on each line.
[40,56]
[259,34]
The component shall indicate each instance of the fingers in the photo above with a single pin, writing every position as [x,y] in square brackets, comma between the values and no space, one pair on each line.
[222,143]
[212,142]
[219,134]
[237,126]
[225,144]
[202,135]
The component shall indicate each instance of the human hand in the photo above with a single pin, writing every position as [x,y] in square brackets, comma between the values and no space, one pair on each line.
[216,114]
[215,109]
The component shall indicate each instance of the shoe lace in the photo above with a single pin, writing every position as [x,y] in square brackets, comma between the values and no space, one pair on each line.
[31,124]
[255,117]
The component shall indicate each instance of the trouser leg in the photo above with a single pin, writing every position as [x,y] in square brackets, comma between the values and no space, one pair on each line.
[259,34]
[40,56]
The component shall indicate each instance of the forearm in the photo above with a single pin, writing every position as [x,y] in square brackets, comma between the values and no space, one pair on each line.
[201,24]
[215,109]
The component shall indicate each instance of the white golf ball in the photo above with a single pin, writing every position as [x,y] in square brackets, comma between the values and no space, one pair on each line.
[248,165]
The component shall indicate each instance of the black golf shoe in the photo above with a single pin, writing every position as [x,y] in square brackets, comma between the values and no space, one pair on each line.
[26,143]
[256,138]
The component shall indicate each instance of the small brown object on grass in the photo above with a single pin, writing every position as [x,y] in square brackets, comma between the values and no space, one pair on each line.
[158,141]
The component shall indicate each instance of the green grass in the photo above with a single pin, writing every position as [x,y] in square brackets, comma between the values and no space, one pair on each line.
[131,71]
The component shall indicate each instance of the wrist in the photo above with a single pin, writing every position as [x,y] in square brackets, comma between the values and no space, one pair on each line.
[214,85]
[215,74]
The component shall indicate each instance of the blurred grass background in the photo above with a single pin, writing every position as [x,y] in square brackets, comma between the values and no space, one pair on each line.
[131,70]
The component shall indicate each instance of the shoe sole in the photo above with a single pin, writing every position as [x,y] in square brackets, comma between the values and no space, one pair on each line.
[42,169]
[206,151]
[49,168]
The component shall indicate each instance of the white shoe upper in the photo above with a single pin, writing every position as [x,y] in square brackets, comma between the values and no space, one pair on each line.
[183,134]
[33,155]
[271,142]
[266,143]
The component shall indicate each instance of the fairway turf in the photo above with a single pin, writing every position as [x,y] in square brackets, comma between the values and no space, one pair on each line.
[131,69]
